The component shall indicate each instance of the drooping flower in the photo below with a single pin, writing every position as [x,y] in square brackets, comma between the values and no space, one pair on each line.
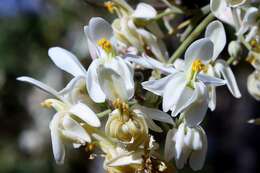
[186,144]
[73,121]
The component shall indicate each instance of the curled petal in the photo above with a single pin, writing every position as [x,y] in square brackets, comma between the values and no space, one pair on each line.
[224,69]
[86,114]
[144,11]
[169,150]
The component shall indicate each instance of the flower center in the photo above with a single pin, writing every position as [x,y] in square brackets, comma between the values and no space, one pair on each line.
[105,44]
[198,66]
[110,6]
[122,106]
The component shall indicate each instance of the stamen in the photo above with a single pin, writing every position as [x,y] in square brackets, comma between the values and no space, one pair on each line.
[46,104]
[255,45]
[105,44]
[198,66]
[110,6]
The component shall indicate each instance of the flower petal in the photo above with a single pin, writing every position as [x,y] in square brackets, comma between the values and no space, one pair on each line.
[144,11]
[209,80]
[212,97]
[169,151]
[93,86]
[179,140]
[198,157]
[99,28]
[91,46]
[173,91]
[222,11]
[216,33]
[196,112]
[71,85]
[157,86]
[86,114]
[126,159]
[200,49]
[57,144]
[39,85]
[112,84]
[66,61]
[76,132]
[224,69]
[155,114]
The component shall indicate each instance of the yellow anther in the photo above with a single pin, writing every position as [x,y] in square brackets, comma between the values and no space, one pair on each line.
[122,106]
[46,104]
[251,59]
[198,66]
[110,6]
[255,45]
[105,44]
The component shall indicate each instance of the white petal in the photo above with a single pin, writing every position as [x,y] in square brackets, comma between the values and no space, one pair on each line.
[196,112]
[73,129]
[99,28]
[179,140]
[139,60]
[66,61]
[151,124]
[157,86]
[57,144]
[126,72]
[201,49]
[221,10]
[179,64]
[250,17]
[144,11]
[189,136]
[93,86]
[152,41]
[86,114]
[212,97]
[187,97]
[216,33]
[155,114]
[127,159]
[39,85]
[71,85]
[112,84]
[173,91]
[169,151]
[91,46]
[224,69]
[197,140]
[197,158]
[209,80]
[180,162]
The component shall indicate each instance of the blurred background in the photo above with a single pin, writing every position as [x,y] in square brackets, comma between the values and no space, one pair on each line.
[28,28]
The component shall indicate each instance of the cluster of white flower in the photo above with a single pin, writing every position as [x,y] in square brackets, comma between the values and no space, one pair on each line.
[186,87]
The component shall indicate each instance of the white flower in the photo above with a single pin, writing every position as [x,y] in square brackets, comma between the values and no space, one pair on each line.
[108,76]
[64,126]
[185,144]
[184,89]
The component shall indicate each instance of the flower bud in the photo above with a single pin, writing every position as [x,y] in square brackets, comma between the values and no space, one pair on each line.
[253,84]
[235,49]
[126,127]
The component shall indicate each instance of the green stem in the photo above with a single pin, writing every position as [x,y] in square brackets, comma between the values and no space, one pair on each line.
[230,60]
[191,38]
[104,113]
[173,7]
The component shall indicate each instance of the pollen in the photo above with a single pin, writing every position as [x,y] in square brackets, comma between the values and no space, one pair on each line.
[255,46]
[109,6]
[105,44]
[251,59]
[198,66]
[46,104]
